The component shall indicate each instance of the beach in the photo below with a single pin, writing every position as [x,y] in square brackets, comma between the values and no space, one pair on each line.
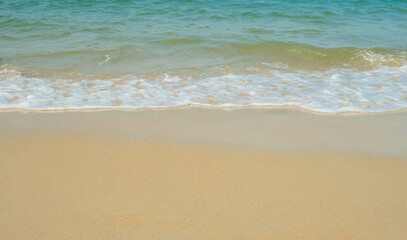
[204,119]
[196,173]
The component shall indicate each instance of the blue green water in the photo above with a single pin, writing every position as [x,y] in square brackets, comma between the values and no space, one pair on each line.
[321,55]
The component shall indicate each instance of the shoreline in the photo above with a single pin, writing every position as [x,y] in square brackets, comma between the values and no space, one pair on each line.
[265,107]
[275,129]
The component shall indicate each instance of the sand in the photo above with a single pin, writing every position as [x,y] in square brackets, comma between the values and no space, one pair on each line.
[174,175]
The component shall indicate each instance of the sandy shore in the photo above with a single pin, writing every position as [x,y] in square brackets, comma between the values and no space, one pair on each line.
[202,174]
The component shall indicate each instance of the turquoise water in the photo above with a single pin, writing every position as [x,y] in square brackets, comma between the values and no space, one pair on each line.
[327,56]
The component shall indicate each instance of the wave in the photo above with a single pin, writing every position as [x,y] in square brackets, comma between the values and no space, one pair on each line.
[333,91]
[173,52]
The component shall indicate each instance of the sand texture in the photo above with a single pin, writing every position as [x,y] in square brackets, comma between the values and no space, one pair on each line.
[64,184]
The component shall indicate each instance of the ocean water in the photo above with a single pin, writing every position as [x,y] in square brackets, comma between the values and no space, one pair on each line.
[328,56]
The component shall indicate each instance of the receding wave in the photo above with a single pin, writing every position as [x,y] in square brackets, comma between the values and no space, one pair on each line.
[342,90]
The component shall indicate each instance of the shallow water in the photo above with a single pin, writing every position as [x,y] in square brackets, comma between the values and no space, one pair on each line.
[330,57]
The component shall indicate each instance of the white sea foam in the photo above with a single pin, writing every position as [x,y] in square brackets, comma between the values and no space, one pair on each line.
[106,60]
[378,90]
[373,58]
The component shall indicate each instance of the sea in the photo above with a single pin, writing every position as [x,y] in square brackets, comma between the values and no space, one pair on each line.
[329,56]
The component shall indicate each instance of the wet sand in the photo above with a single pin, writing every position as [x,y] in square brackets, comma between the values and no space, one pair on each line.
[202,174]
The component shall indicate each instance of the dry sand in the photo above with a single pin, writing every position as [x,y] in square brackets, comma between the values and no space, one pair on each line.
[115,175]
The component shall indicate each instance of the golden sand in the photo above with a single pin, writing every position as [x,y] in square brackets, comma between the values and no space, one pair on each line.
[203,174]
[80,187]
